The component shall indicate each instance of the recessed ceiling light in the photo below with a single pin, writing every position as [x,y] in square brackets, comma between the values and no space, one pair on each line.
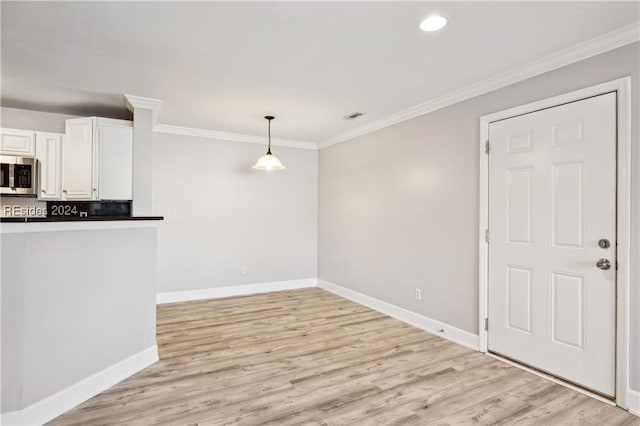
[433,23]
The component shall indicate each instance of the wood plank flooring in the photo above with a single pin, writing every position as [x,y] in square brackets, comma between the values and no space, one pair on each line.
[308,357]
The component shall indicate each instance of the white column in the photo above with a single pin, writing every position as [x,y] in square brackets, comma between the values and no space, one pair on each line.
[145,112]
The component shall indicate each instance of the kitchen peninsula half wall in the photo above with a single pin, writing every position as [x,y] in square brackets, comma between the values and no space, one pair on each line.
[78,311]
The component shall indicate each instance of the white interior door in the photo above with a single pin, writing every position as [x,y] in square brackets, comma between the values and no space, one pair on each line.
[552,198]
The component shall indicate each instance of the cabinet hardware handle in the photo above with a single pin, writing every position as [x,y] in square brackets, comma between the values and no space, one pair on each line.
[44,191]
[64,190]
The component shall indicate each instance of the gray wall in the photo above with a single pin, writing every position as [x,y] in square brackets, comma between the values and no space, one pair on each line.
[398,208]
[221,215]
[73,303]
[14,118]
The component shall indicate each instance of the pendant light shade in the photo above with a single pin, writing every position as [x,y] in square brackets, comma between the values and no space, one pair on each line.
[269,161]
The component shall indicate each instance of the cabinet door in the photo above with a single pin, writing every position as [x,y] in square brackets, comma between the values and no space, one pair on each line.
[17,142]
[114,148]
[77,160]
[49,155]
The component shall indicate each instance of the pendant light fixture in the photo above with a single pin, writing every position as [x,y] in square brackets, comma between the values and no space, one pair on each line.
[269,161]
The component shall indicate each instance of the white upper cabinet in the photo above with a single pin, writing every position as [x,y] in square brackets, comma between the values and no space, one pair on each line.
[98,159]
[114,159]
[77,160]
[49,155]
[17,142]
[93,160]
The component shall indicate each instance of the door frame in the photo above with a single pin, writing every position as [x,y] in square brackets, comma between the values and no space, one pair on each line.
[622,87]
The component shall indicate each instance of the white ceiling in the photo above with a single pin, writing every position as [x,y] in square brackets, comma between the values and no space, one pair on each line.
[223,65]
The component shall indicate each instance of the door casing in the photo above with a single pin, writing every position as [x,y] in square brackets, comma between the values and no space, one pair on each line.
[623,215]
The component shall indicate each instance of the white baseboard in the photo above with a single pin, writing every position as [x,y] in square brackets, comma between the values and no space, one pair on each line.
[58,403]
[236,290]
[633,400]
[439,328]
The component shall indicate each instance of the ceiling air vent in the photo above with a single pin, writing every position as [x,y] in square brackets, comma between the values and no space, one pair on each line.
[354,115]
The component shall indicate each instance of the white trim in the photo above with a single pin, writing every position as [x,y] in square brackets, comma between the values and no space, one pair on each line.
[231,137]
[145,103]
[623,87]
[601,44]
[92,225]
[633,399]
[449,332]
[483,228]
[623,252]
[60,402]
[134,101]
[235,290]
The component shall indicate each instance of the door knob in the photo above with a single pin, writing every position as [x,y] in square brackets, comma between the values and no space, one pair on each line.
[603,264]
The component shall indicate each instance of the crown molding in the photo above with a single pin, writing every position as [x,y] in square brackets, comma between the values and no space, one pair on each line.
[601,44]
[146,103]
[231,137]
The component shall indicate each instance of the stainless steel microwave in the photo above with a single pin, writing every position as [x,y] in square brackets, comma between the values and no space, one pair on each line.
[18,175]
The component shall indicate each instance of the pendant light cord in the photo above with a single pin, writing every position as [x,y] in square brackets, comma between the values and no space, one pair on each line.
[269,132]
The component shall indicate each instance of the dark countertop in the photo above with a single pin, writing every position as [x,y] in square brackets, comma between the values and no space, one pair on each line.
[76,219]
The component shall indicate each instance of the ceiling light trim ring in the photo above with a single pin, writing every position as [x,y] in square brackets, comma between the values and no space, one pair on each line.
[433,23]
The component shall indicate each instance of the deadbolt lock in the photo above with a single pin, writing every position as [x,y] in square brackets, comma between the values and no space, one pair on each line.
[604,243]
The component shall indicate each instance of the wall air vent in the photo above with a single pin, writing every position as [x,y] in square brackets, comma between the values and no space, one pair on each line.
[354,115]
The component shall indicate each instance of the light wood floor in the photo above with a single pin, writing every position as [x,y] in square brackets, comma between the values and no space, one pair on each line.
[309,357]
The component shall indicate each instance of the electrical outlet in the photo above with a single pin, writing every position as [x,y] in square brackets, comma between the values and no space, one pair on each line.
[418,294]
[243,270]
